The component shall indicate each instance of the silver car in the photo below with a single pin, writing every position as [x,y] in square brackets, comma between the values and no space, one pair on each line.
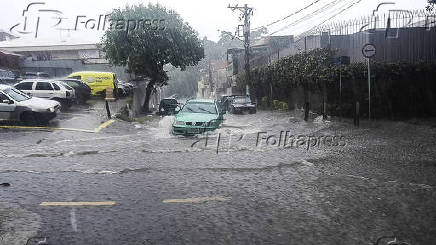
[18,106]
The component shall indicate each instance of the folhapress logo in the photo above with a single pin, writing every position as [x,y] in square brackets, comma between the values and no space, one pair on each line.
[37,13]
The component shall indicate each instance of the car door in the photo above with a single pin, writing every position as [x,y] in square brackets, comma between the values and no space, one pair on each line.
[43,90]
[7,107]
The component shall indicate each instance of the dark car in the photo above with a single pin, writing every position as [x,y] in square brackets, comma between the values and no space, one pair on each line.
[124,88]
[8,77]
[225,101]
[36,75]
[82,90]
[168,106]
[241,104]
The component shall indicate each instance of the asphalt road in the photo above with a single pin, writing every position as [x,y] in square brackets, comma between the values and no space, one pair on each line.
[134,183]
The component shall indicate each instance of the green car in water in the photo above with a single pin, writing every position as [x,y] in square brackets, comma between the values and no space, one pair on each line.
[197,116]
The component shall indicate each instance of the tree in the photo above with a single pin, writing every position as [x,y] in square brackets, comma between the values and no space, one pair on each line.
[430,5]
[184,83]
[154,38]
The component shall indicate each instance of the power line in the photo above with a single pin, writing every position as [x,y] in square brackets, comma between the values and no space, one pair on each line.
[288,16]
[341,11]
[308,16]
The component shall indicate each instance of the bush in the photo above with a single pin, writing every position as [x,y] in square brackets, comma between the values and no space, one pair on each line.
[283,106]
[276,104]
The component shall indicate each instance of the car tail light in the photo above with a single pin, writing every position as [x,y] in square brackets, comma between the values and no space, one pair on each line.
[67,93]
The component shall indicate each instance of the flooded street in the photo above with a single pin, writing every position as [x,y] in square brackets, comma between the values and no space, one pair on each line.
[243,183]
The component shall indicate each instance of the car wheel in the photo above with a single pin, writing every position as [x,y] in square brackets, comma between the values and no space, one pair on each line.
[232,110]
[252,111]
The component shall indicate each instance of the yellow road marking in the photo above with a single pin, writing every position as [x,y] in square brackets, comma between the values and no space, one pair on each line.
[104,125]
[109,203]
[96,130]
[197,200]
[50,128]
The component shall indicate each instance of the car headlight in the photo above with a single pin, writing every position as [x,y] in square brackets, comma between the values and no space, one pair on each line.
[51,109]
[179,123]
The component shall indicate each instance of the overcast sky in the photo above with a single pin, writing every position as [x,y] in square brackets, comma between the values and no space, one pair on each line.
[205,16]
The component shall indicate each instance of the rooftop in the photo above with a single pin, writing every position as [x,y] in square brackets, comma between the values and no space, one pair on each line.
[41,44]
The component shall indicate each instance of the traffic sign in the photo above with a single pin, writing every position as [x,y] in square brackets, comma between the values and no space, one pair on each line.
[369,50]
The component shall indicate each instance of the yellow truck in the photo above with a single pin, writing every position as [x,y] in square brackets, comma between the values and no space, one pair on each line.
[98,81]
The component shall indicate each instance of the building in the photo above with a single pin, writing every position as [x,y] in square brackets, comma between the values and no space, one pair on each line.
[215,82]
[59,58]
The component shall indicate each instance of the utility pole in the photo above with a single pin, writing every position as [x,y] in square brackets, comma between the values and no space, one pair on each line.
[246,12]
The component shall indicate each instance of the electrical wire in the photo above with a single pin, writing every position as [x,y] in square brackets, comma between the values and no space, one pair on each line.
[288,16]
[306,17]
[340,12]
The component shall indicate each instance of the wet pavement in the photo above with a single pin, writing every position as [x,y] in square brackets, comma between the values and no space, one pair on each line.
[238,185]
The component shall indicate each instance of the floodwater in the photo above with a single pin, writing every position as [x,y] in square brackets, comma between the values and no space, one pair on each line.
[245,183]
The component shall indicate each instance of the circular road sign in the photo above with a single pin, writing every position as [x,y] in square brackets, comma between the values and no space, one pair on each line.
[369,50]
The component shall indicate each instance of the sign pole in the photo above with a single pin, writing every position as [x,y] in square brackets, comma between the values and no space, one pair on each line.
[369,51]
[369,88]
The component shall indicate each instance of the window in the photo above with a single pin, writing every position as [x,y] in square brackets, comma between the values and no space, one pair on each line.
[56,87]
[24,86]
[76,77]
[3,97]
[16,95]
[43,86]
[200,108]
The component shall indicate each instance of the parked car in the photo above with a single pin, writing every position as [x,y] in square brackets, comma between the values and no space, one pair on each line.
[168,106]
[97,81]
[48,89]
[7,77]
[18,106]
[225,100]
[241,104]
[197,116]
[124,88]
[81,89]
[36,75]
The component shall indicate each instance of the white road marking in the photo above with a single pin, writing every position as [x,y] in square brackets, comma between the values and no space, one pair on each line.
[73,219]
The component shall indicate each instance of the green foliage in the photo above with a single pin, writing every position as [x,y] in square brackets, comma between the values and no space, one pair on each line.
[307,70]
[276,104]
[398,89]
[146,51]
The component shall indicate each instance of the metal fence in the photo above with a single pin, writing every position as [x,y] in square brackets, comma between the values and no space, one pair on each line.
[399,36]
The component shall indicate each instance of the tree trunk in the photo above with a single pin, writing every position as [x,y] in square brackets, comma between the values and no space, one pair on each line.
[148,90]
[306,103]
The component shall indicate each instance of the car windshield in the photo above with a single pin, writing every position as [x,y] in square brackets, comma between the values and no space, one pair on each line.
[72,84]
[16,94]
[66,86]
[242,100]
[200,108]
